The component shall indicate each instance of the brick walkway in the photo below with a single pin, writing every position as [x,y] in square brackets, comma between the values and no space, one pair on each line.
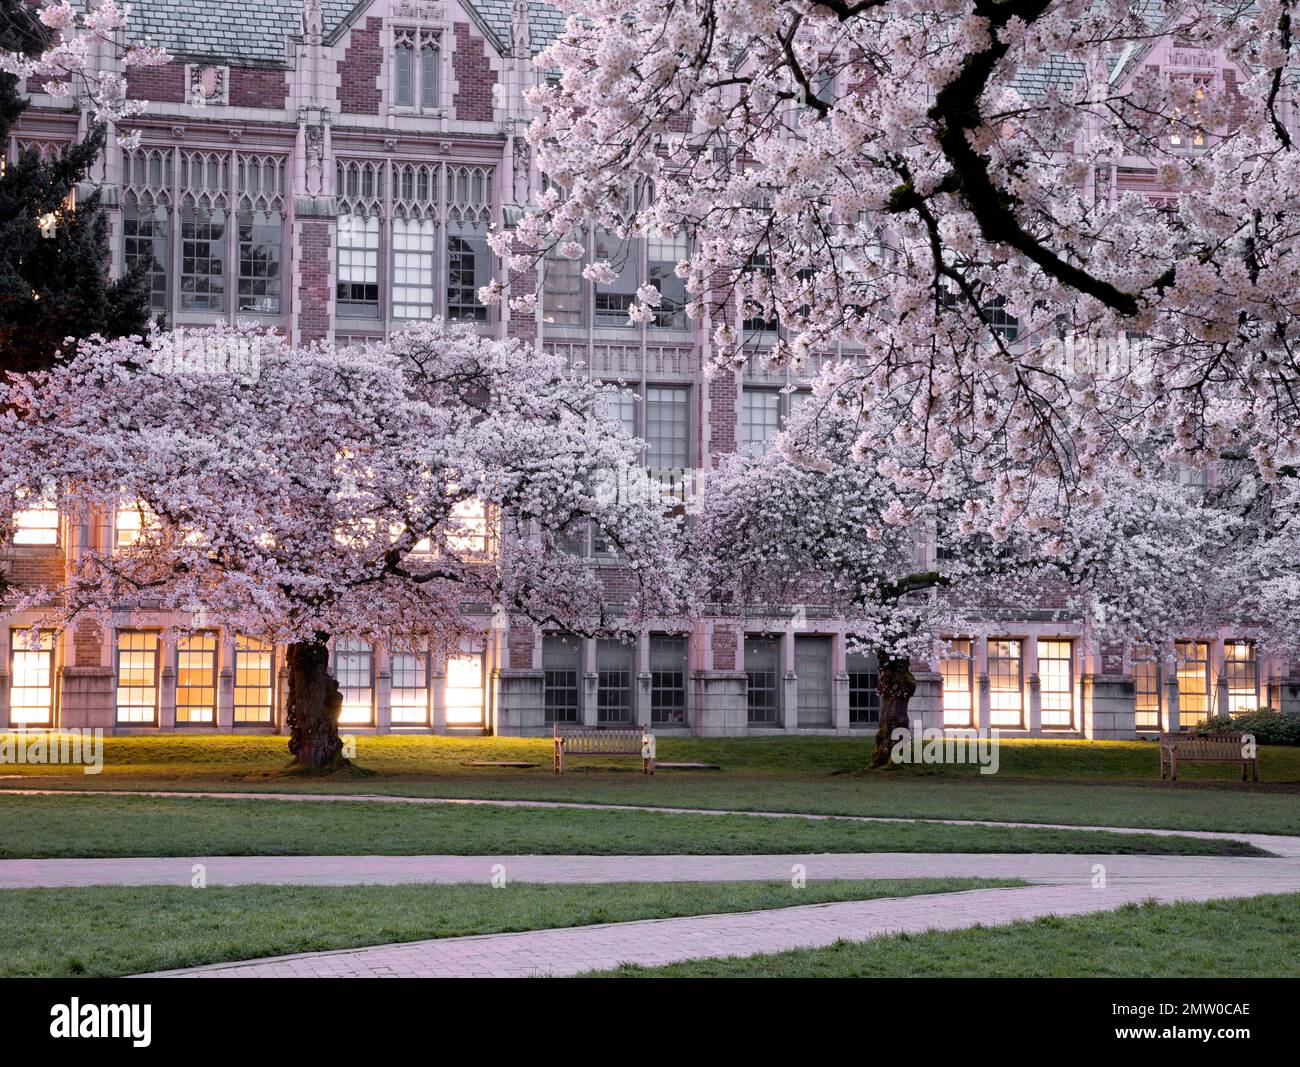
[1278,844]
[577,949]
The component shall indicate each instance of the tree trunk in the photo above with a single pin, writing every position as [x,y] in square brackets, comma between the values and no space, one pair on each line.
[314,705]
[896,688]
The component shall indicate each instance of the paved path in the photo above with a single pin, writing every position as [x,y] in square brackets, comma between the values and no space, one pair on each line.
[1278,844]
[575,950]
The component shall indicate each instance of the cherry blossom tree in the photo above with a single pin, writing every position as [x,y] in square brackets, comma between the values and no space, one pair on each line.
[400,492]
[934,186]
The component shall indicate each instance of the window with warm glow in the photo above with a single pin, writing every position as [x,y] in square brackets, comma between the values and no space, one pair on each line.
[467,529]
[1193,681]
[464,693]
[354,671]
[31,668]
[196,678]
[956,668]
[1241,672]
[137,677]
[253,680]
[410,691]
[1146,686]
[36,518]
[1006,697]
[1056,683]
[131,522]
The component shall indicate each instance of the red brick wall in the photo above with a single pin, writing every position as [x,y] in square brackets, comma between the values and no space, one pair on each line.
[523,324]
[32,565]
[165,84]
[722,413]
[316,249]
[474,76]
[724,649]
[86,640]
[257,87]
[359,70]
[521,647]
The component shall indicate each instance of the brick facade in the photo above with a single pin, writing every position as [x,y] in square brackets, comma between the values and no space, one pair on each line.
[359,70]
[474,77]
[258,87]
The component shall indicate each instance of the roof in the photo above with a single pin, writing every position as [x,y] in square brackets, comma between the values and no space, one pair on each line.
[254,31]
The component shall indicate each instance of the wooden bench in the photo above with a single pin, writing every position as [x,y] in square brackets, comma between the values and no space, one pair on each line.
[1205,748]
[572,740]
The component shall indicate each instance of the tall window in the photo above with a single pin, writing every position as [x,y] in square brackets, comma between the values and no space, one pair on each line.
[469,268]
[1146,688]
[36,517]
[615,669]
[662,257]
[137,677]
[196,678]
[354,663]
[760,419]
[415,73]
[1193,681]
[260,222]
[1006,696]
[1241,671]
[812,666]
[203,258]
[358,282]
[561,677]
[864,689]
[618,404]
[144,241]
[957,670]
[763,680]
[667,679]
[410,693]
[1056,683]
[31,668]
[253,680]
[464,692]
[667,427]
[612,299]
[415,248]
[562,289]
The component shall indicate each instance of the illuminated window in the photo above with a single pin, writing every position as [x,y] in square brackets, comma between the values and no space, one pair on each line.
[562,671]
[36,518]
[253,680]
[667,679]
[957,669]
[137,677]
[1241,673]
[467,529]
[615,669]
[464,694]
[864,689]
[1056,683]
[410,692]
[196,678]
[763,681]
[1146,687]
[1006,700]
[131,522]
[354,671]
[31,668]
[1193,681]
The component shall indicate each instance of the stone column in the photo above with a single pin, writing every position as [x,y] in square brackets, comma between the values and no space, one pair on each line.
[1033,684]
[383,690]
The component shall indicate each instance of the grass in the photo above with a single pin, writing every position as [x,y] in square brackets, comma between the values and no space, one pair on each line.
[1255,937]
[1073,782]
[89,825]
[104,931]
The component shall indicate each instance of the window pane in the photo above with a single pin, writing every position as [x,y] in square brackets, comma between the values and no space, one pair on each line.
[203,259]
[36,517]
[1006,704]
[1242,677]
[1193,681]
[402,75]
[1146,686]
[1056,683]
[667,426]
[353,670]
[662,257]
[469,268]
[762,680]
[137,677]
[760,419]
[864,689]
[31,668]
[428,76]
[260,250]
[196,678]
[615,669]
[253,680]
[409,702]
[958,689]
[414,253]
[667,679]
[144,239]
[613,299]
[358,281]
[562,671]
[465,689]
[562,286]
[812,665]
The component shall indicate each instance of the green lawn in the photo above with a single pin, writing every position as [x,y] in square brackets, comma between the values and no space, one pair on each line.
[91,825]
[107,931]
[1257,937]
[1075,782]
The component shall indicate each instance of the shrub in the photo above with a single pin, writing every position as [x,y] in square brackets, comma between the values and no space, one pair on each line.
[1269,727]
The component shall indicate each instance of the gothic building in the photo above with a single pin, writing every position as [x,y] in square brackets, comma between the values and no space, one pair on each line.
[332,170]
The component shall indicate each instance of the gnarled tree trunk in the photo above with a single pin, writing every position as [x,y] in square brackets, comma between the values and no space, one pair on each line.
[896,688]
[314,705]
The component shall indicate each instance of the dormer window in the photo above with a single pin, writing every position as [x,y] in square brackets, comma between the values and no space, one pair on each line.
[415,69]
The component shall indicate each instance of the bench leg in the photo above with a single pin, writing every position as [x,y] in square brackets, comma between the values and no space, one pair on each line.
[1173,766]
